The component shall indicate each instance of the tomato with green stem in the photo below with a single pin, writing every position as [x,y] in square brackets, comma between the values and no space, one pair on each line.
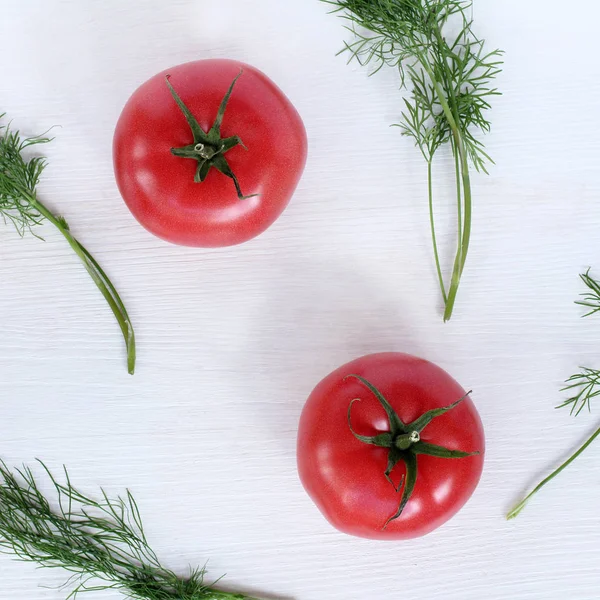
[208,153]
[389,447]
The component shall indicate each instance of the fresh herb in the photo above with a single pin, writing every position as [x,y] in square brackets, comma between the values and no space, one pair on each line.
[102,543]
[432,44]
[20,205]
[519,507]
[591,298]
[584,385]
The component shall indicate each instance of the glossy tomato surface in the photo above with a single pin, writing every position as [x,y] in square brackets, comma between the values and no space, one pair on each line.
[345,477]
[159,188]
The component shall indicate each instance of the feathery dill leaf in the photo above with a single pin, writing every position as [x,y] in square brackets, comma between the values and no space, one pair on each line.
[591,298]
[450,74]
[20,205]
[101,542]
[585,386]
[18,175]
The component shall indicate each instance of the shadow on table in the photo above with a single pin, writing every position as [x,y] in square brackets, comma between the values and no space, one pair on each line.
[316,316]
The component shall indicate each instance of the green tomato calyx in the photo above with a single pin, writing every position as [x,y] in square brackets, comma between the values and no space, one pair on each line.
[403,442]
[209,149]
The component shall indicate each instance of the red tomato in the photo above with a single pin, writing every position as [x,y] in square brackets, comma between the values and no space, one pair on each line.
[346,477]
[214,192]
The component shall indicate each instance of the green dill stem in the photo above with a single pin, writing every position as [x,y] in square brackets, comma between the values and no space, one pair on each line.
[463,248]
[462,173]
[519,507]
[447,76]
[100,279]
[433,235]
[462,170]
[458,193]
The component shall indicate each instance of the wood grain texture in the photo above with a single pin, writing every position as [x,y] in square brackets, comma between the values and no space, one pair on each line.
[232,341]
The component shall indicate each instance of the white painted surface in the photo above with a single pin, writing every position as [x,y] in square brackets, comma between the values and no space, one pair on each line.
[230,342]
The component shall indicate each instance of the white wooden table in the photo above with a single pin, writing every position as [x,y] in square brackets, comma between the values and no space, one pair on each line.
[230,342]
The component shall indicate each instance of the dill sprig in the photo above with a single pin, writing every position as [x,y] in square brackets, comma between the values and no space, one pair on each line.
[102,543]
[519,507]
[585,386]
[17,174]
[20,205]
[432,44]
[591,298]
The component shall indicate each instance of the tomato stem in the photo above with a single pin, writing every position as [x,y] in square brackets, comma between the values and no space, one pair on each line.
[404,443]
[209,149]
[405,440]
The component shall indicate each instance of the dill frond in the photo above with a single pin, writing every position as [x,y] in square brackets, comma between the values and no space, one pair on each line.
[20,205]
[102,543]
[449,74]
[591,298]
[585,386]
[19,179]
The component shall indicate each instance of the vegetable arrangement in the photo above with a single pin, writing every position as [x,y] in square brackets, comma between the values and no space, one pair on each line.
[451,77]
[183,201]
[209,154]
[20,205]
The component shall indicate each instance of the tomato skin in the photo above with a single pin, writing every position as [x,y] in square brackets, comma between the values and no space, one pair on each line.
[159,188]
[345,477]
